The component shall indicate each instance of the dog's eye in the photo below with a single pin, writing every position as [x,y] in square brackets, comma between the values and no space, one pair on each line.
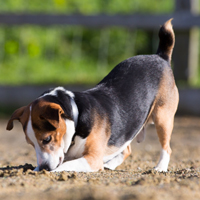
[46,140]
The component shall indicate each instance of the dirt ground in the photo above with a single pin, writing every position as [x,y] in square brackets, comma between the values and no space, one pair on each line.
[134,179]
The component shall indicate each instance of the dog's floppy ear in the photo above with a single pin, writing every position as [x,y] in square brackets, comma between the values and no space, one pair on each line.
[15,116]
[52,113]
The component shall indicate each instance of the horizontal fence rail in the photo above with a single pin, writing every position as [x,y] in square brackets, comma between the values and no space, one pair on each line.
[182,20]
[13,97]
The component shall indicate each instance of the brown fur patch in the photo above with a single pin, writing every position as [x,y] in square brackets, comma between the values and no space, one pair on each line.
[166,104]
[127,151]
[96,142]
[46,121]
[20,114]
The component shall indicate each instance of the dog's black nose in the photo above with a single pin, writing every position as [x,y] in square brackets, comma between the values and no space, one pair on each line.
[44,166]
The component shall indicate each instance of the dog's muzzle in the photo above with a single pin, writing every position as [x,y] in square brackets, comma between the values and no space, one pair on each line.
[47,166]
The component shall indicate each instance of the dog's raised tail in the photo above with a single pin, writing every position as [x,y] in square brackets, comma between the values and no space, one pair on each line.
[167,40]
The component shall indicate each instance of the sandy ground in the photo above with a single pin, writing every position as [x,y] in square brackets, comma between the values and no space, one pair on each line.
[134,179]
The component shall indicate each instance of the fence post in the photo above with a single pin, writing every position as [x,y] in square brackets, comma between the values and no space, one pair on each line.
[185,57]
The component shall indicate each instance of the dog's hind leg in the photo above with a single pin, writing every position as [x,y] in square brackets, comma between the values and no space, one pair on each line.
[164,130]
[163,117]
[118,159]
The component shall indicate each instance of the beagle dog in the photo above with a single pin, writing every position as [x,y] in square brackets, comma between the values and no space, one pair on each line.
[92,130]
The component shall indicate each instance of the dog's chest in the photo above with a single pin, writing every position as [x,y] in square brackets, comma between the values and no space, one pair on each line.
[76,150]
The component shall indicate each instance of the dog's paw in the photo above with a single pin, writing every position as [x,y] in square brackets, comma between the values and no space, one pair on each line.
[160,169]
[163,162]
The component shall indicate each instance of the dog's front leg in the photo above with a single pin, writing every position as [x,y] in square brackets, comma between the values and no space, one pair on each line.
[78,165]
[92,159]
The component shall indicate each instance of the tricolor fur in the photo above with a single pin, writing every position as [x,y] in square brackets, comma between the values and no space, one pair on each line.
[87,131]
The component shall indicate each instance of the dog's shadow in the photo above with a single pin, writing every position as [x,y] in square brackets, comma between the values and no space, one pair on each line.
[24,167]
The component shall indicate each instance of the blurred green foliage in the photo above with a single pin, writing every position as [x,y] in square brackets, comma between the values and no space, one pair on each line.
[87,6]
[70,54]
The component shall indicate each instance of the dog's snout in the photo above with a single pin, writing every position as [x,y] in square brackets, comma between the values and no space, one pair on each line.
[44,166]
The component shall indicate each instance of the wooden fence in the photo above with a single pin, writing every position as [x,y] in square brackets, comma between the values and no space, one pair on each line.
[182,20]
[186,19]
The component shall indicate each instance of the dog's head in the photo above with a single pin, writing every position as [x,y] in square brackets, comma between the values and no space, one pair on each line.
[48,129]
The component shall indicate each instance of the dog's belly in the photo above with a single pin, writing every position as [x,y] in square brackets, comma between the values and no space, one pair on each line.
[77,149]
[112,152]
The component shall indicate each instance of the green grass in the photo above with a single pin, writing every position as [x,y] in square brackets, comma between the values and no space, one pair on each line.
[87,6]
[44,72]
[65,55]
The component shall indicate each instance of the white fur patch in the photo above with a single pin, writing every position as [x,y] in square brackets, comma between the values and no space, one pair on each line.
[76,151]
[71,94]
[78,165]
[69,134]
[54,92]
[31,135]
[163,162]
[116,161]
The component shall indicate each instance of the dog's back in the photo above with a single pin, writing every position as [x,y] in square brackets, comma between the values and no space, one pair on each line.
[146,91]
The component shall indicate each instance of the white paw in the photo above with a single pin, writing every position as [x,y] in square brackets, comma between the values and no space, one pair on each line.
[160,169]
[116,161]
[163,162]
[58,170]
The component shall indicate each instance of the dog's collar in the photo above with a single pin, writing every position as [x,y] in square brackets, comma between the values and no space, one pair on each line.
[74,111]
